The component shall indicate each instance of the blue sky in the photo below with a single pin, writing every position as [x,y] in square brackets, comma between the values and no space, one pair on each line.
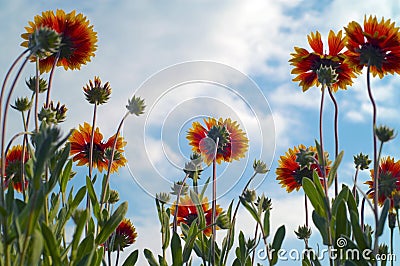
[137,40]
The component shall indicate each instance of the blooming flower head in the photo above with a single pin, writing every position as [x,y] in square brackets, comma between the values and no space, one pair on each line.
[377,45]
[308,64]
[389,180]
[78,40]
[124,236]
[13,167]
[187,212]
[290,173]
[232,141]
[80,147]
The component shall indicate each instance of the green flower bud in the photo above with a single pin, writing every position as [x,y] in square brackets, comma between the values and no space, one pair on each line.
[163,197]
[266,204]
[223,221]
[31,83]
[361,161]
[136,106]
[22,104]
[259,167]
[384,134]
[179,186]
[96,93]
[249,195]
[303,232]
[114,196]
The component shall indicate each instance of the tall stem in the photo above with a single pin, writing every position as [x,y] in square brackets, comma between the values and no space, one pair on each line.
[336,123]
[376,169]
[323,170]
[2,155]
[214,209]
[37,96]
[103,195]
[234,216]
[51,78]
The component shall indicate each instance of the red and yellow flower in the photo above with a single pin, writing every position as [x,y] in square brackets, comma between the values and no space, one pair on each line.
[13,167]
[232,141]
[307,64]
[80,148]
[290,173]
[124,236]
[78,40]
[389,180]
[377,45]
[187,212]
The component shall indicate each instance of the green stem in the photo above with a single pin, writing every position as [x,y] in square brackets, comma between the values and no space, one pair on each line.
[376,169]
[51,77]
[214,207]
[391,245]
[306,208]
[324,170]
[3,155]
[88,206]
[37,96]
[336,123]
[103,194]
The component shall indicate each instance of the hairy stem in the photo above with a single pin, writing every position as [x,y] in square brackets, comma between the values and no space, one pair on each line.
[336,123]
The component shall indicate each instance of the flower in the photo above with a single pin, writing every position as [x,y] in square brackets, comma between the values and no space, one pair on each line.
[289,172]
[389,180]
[187,212]
[377,45]
[232,141]
[13,167]
[97,93]
[80,146]
[78,40]
[308,64]
[124,236]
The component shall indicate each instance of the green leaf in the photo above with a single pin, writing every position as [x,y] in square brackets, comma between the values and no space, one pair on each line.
[189,242]
[85,248]
[93,198]
[112,223]
[382,218]
[266,225]
[78,233]
[315,199]
[277,243]
[132,258]
[78,198]
[51,244]
[66,174]
[322,226]
[357,231]
[176,250]
[150,257]
[203,190]
[250,209]
[334,168]
[37,247]
[342,224]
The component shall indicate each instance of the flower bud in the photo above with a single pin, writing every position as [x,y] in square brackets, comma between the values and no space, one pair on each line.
[259,167]
[114,196]
[136,106]
[250,195]
[163,197]
[31,83]
[361,161]
[22,104]
[223,221]
[303,232]
[179,187]
[96,93]
[384,134]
